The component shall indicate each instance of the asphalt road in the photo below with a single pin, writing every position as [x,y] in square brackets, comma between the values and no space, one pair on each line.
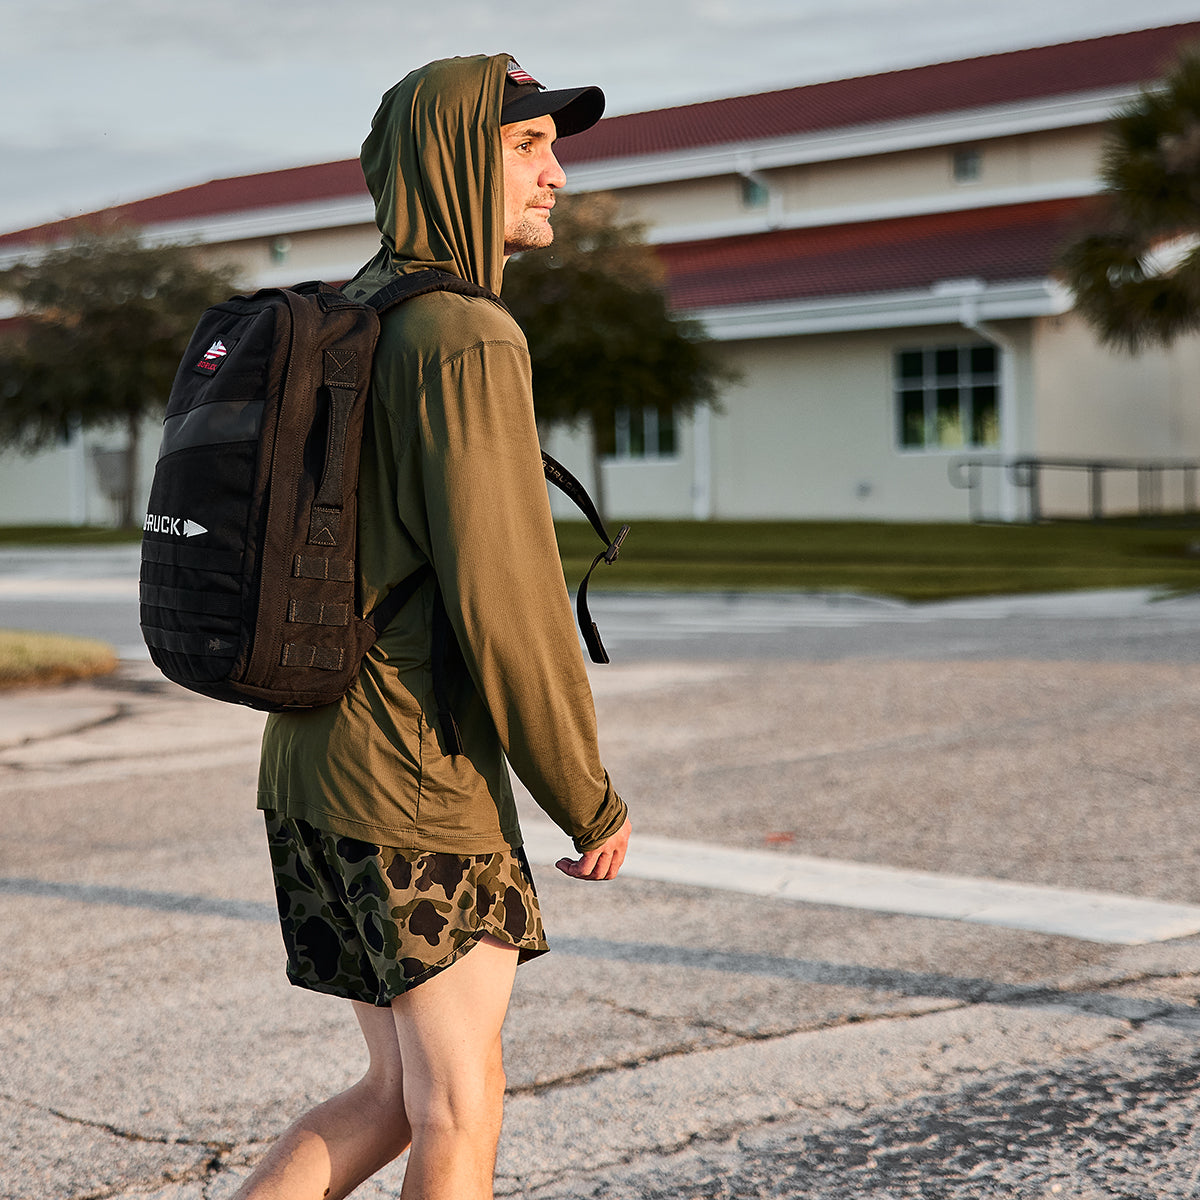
[684,1040]
[93,592]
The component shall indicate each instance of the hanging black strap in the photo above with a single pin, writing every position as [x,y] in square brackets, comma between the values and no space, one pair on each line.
[420,283]
[558,475]
[566,483]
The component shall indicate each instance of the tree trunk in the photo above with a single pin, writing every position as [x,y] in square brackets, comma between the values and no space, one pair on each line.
[129,500]
[597,471]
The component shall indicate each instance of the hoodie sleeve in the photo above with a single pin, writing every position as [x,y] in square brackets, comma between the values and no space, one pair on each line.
[493,547]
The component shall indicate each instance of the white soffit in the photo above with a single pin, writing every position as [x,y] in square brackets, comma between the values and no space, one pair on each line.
[268,222]
[883,209]
[886,310]
[856,141]
[939,305]
[943,129]
[245,225]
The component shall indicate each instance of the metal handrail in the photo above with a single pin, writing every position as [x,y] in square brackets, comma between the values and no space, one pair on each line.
[1027,472]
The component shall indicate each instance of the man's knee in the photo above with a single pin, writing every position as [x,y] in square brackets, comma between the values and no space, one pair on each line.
[468,1106]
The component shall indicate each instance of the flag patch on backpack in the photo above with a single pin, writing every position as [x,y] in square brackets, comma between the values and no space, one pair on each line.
[214,356]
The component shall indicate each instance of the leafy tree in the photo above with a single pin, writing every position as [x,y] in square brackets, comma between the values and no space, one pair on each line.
[104,322]
[600,333]
[1136,278]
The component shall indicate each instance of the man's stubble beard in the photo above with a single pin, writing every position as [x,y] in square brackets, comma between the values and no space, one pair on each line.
[531,233]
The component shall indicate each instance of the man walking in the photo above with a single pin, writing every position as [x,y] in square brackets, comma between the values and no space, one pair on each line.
[394,840]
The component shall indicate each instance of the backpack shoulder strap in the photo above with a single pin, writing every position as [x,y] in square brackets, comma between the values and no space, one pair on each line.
[420,283]
[406,287]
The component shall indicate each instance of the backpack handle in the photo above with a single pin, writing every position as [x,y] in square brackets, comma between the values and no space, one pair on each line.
[340,378]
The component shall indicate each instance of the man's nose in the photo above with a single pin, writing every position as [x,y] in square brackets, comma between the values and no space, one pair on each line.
[553,175]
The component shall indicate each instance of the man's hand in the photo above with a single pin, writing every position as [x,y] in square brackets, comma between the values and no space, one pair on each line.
[601,863]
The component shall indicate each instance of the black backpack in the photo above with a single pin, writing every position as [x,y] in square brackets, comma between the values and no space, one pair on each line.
[248,574]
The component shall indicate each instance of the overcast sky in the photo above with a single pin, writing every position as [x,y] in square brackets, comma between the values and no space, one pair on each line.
[115,101]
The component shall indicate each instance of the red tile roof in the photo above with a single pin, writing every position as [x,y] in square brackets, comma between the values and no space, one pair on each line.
[243,193]
[296,185]
[1008,243]
[1116,61]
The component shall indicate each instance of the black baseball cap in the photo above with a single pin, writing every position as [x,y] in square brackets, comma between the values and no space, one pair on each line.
[573,109]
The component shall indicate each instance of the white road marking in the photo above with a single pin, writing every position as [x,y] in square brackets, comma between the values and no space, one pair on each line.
[1089,916]
[33,587]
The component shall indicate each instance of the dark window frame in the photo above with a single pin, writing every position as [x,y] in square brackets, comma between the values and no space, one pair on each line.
[640,434]
[946,397]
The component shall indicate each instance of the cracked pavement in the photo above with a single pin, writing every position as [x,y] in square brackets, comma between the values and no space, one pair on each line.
[680,1042]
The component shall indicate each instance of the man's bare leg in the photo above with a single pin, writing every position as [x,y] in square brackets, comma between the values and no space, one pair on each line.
[446,1032]
[449,1035]
[329,1151]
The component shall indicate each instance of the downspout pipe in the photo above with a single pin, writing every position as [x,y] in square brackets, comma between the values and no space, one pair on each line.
[1009,441]
[702,465]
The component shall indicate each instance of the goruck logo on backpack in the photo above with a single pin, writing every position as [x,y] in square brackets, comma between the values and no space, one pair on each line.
[249,575]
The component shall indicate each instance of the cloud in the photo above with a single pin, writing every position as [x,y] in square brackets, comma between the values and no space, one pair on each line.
[144,96]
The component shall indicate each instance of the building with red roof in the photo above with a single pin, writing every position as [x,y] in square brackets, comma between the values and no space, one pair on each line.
[876,257]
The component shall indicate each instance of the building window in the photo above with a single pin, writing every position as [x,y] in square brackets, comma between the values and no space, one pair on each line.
[755,193]
[947,397]
[647,432]
[967,164]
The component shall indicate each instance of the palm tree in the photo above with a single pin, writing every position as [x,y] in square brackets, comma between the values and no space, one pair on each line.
[1136,279]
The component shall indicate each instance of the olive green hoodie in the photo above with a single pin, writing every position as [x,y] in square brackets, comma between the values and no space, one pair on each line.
[451,475]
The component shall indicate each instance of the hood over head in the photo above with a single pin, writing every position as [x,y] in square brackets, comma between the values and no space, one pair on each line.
[433,164]
[433,160]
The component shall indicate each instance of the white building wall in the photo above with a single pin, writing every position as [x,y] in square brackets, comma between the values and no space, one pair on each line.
[817,437]
[66,485]
[809,434]
[286,258]
[1043,160]
[48,488]
[1098,403]
[648,488]
[1094,400]
[72,484]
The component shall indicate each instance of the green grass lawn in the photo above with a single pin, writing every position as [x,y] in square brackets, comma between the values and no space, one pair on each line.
[14,536]
[909,561]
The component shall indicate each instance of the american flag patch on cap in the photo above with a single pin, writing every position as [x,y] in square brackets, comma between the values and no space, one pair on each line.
[517,75]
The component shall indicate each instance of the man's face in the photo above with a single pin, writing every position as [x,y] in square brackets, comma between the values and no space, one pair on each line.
[531,173]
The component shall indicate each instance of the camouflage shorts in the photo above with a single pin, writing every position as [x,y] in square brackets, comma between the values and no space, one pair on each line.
[370,922]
